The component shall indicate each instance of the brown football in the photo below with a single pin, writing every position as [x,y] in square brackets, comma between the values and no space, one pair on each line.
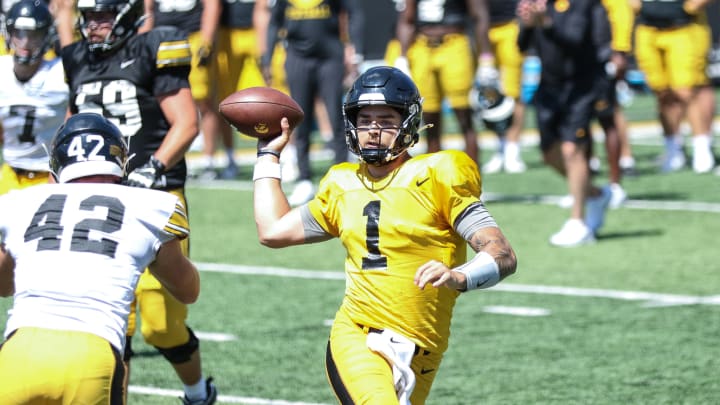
[257,111]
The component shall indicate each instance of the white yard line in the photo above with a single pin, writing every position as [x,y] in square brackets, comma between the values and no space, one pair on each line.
[227,399]
[649,298]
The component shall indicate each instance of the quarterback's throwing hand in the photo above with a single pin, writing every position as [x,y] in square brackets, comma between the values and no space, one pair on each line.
[438,275]
[147,175]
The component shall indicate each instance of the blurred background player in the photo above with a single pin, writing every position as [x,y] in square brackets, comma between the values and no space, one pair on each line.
[33,97]
[71,285]
[63,31]
[237,61]
[573,42]
[503,34]
[315,66]
[672,40]
[437,52]
[610,114]
[199,19]
[140,83]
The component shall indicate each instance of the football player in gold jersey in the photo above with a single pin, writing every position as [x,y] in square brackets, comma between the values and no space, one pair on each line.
[405,223]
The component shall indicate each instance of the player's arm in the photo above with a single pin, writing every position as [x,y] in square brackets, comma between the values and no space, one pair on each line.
[149,22]
[405,30]
[209,21]
[180,110]
[277,224]
[176,273]
[494,259]
[7,272]
[63,12]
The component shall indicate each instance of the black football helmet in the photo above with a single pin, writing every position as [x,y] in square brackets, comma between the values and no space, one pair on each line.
[29,20]
[493,107]
[383,85]
[87,144]
[129,16]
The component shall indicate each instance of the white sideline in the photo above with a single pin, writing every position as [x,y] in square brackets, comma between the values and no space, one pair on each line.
[648,298]
[227,399]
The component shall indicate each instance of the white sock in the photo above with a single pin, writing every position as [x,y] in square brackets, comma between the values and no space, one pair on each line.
[701,142]
[512,150]
[208,162]
[196,391]
[627,162]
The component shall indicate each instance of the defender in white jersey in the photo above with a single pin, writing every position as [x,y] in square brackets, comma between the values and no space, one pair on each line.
[72,255]
[33,97]
[405,223]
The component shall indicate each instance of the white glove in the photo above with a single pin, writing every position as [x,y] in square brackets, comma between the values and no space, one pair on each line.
[402,63]
[486,75]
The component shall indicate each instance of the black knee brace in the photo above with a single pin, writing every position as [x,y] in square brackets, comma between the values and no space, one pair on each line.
[182,353]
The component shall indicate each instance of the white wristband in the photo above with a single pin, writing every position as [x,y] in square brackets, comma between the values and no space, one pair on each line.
[480,272]
[264,170]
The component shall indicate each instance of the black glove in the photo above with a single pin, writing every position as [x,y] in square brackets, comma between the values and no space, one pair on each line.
[147,175]
[204,53]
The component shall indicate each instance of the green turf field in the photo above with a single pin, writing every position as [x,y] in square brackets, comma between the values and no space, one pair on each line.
[632,319]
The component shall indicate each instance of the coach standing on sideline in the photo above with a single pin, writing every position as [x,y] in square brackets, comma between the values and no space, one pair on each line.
[315,66]
[573,42]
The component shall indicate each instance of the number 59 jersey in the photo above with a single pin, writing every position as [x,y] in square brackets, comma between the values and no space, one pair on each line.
[79,250]
[124,87]
[31,112]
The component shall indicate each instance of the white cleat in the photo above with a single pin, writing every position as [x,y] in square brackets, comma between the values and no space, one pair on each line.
[618,196]
[573,233]
[304,191]
[494,165]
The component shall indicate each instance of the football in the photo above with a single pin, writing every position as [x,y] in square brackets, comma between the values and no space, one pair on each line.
[257,111]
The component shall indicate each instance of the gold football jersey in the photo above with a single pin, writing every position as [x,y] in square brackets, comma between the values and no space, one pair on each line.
[390,227]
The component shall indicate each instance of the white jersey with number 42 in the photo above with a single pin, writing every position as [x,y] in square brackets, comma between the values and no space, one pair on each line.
[79,250]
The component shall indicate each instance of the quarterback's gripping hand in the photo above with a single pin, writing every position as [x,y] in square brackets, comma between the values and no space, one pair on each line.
[204,53]
[147,175]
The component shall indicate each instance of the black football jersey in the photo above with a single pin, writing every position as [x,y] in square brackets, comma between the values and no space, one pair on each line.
[124,86]
[237,13]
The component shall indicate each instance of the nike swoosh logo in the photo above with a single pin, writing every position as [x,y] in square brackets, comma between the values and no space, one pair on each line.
[421,182]
[423,371]
[126,63]
[392,340]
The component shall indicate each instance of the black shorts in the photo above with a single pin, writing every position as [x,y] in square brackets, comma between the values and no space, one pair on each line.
[564,112]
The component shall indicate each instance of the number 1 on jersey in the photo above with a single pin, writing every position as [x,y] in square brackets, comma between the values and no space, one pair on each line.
[374,260]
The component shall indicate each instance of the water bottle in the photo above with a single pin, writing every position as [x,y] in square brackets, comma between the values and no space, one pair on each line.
[531,69]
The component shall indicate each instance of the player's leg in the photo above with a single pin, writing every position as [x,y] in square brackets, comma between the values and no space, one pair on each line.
[53,366]
[420,57]
[163,326]
[330,91]
[510,60]
[651,47]
[303,85]
[12,179]
[204,92]
[456,81]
